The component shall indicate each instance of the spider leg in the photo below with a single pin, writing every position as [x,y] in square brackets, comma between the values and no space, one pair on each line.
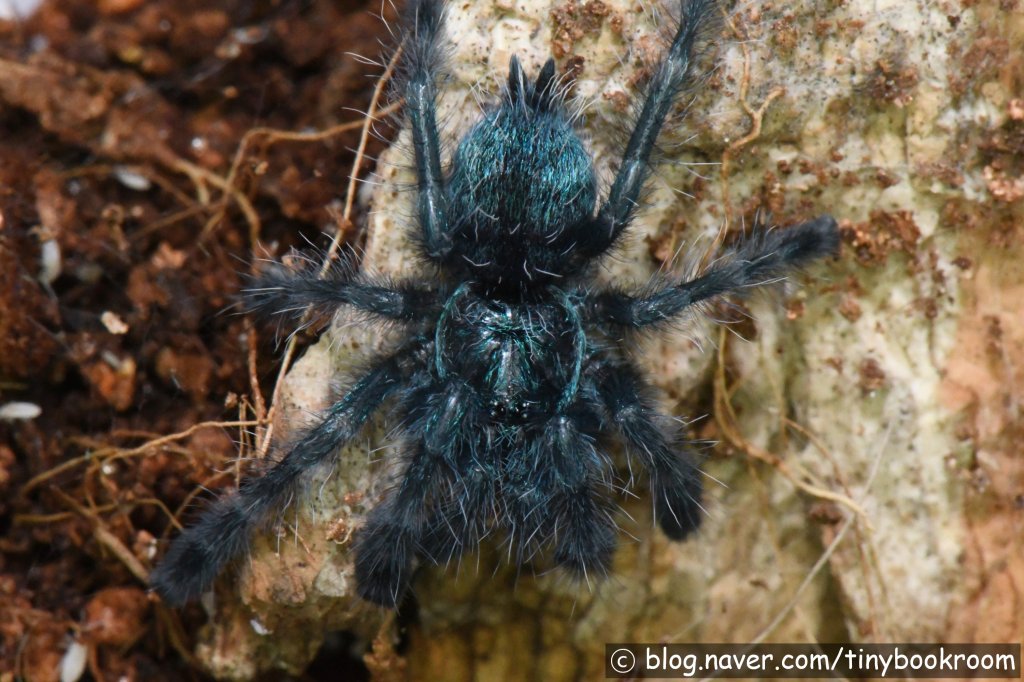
[424,19]
[673,76]
[460,519]
[222,532]
[584,530]
[762,257]
[551,491]
[392,536]
[281,291]
[675,479]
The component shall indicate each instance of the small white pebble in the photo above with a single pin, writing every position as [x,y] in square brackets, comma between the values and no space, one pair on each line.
[50,261]
[18,410]
[72,665]
[132,179]
[258,627]
[113,323]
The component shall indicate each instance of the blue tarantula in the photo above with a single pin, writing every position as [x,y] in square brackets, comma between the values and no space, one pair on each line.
[513,367]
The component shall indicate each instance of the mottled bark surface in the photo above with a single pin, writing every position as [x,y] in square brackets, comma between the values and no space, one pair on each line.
[872,411]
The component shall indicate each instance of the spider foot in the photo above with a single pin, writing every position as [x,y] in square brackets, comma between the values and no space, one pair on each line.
[678,509]
[196,556]
[586,540]
[383,563]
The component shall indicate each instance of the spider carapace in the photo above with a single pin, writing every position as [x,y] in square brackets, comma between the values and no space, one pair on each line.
[514,370]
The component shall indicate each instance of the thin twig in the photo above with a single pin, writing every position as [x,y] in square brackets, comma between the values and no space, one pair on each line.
[121,453]
[727,420]
[372,115]
[767,630]
[108,539]
[756,118]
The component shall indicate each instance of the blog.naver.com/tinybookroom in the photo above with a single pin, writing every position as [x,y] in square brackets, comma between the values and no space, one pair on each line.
[856,661]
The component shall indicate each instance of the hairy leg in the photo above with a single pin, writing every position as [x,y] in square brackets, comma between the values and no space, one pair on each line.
[551,492]
[763,257]
[439,423]
[675,479]
[673,76]
[424,20]
[459,520]
[279,290]
[222,532]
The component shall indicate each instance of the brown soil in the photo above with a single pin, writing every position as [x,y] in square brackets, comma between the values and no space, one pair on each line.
[127,215]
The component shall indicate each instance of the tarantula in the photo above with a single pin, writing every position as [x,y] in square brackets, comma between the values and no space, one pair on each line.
[514,365]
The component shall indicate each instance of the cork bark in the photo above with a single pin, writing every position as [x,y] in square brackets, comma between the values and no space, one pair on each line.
[867,485]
